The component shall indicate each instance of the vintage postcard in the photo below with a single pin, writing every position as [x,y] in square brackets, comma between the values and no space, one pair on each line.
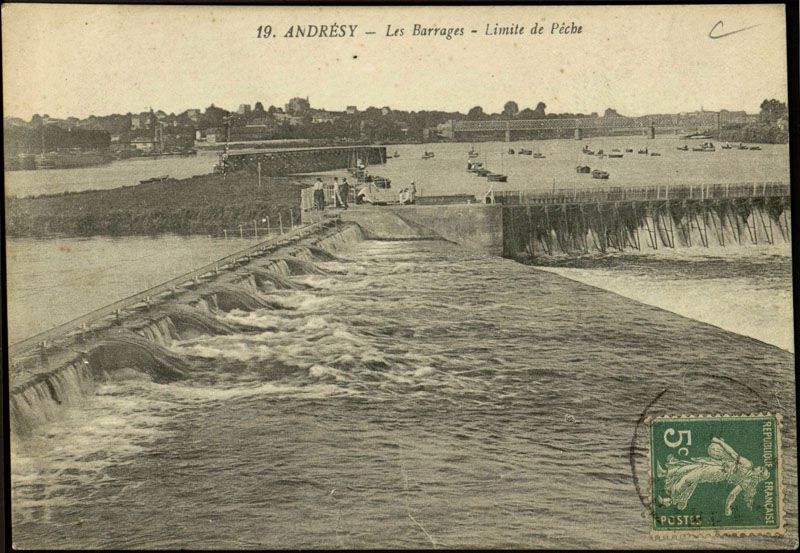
[412,277]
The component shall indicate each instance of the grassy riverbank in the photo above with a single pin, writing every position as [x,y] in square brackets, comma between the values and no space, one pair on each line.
[198,205]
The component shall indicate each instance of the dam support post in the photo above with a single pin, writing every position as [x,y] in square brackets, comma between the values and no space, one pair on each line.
[672,217]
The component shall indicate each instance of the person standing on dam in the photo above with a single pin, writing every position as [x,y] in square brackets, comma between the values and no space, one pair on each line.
[319,195]
[344,192]
[337,199]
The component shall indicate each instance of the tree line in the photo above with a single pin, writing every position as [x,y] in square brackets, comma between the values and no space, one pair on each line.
[21,140]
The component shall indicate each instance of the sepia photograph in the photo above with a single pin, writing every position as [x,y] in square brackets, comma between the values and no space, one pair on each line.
[399,277]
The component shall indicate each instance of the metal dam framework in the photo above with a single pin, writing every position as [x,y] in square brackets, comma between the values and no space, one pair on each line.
[573,223]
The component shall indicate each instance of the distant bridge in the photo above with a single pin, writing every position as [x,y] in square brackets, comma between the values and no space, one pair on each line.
[579,125]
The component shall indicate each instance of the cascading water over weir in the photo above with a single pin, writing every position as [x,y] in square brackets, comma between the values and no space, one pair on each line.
[46,379]
[569,229]
[515,224]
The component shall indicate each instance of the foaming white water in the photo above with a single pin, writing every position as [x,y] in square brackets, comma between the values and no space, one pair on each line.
[259,318]
[341,267]
[301,300]
[744,305]
[242,390]
[42,402]
[107,430]
[316,281]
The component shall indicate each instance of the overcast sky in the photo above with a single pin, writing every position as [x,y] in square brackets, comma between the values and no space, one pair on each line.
[79,60]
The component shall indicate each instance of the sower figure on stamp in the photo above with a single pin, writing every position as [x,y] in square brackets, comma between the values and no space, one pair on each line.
[722,465]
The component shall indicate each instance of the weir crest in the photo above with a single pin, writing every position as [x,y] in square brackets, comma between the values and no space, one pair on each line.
[45,382]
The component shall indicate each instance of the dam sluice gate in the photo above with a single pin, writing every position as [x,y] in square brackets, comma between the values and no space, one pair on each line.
[536,230]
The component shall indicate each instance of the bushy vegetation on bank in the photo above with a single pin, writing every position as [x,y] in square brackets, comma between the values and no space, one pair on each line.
[198,205]
[759,133]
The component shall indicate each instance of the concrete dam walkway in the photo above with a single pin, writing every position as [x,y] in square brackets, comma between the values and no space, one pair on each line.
[534,223]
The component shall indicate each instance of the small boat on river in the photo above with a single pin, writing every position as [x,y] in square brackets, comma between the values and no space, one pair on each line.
[524,152]
[706,147]
[683,148]
[583,169]
[615,153]
[429,155]
[497,177]
[154,179]
[597,174]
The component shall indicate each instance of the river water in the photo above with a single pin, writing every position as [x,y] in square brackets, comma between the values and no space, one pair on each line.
[414,395]
[446,174]
[118,173]
[51,282]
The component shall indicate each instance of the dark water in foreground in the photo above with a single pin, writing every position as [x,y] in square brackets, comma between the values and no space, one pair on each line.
[417,396]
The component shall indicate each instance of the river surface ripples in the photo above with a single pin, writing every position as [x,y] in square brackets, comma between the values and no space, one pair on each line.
[414,395]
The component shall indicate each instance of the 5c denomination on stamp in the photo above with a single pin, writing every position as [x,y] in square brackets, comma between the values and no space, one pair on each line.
[716,475]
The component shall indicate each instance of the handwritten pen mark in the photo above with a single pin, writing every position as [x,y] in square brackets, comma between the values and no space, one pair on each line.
[721,25]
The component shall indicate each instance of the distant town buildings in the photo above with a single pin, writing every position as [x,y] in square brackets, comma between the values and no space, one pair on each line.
[156,131]
[298,106]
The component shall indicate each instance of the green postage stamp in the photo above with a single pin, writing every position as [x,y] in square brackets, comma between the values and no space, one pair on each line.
[716,475]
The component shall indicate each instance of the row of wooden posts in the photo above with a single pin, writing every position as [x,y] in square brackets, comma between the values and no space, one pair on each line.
[246,229]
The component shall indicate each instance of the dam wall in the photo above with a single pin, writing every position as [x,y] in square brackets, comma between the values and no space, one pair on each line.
[578,228]
[575,229]
[46,377]
[474,226]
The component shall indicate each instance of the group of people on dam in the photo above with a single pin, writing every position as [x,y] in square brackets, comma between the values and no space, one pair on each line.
[341,192]
[374,192]
[408,195]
